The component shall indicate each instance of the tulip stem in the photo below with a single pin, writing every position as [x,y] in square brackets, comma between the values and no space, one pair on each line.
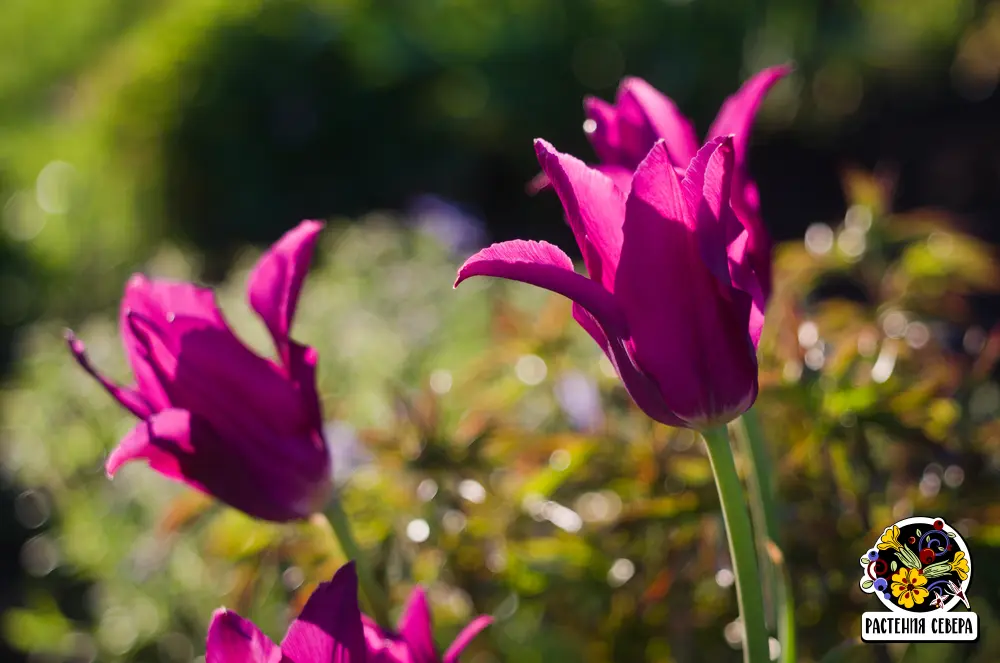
[763,510]
[749,597]
[376,599]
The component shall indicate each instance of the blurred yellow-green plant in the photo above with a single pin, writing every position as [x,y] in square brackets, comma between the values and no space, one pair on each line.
[487,451]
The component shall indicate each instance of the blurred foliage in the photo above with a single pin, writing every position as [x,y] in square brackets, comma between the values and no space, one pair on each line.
[486,450]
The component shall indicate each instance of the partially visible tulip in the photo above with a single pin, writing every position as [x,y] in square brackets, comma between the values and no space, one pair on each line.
[331,629]
[215,415]
[670,299]
[623,133]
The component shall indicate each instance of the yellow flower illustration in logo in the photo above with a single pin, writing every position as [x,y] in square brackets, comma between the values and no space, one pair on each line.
[890,539]
[908,587]
[960,565]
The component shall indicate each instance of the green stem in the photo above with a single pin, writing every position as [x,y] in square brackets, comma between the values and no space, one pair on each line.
[741,546]
[763,505]
[376,599]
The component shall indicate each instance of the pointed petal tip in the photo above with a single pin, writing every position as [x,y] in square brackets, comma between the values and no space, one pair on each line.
[466,636]
[137,281]
[347,572]
[543,148]
[538,183]
[221,613]
[76,346]
[629,82]
[113,463]
[312,226]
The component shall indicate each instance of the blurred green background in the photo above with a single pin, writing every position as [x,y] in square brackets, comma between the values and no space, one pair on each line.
[486,450]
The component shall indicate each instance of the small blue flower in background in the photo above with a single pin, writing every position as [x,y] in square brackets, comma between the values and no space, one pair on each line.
[457,228]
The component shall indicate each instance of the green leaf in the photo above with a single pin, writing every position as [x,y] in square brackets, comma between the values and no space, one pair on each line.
[918,532]
[940,548]
[951,534]
[893,566]
[867,584]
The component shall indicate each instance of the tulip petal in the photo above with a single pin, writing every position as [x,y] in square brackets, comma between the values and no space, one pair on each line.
[184,447]
[130,398]
[594,206]
[466,636]
[703,362]
[639,386]
[620,175]
[232,639]
[722,238]
[329,628]
[736,117]
[737,113]
[707,186]
[204,368]
[646,115]
[276,281]
[162,440]
[302,361]
[160,300]
[415,628]
[546,266]
[538,183]
[604,135]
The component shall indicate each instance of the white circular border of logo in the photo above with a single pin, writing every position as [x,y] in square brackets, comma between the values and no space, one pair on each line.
[921,520]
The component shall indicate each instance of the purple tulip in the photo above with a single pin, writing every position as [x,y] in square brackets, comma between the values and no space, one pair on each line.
[215,415]
[670,299]
[331,629]
[623,133]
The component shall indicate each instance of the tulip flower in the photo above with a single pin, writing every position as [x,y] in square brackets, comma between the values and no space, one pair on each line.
[331,629]
[214,414]
[622,134]
[670,298]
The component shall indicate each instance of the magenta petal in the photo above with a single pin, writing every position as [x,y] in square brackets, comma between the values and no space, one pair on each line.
[646,115]
[595,209]
[538,183]
[232,639]
[737,113]
[415,628]
[161,440]
[131,399]
[620,175]
[272,484]
[707,185]
[689,339]
[722,238]
[639,386]
[204,368]
[302,361]
[276,280]
[463,639]
[546,266]
[160,300]
[736,117]
[603,135]
[329,628]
